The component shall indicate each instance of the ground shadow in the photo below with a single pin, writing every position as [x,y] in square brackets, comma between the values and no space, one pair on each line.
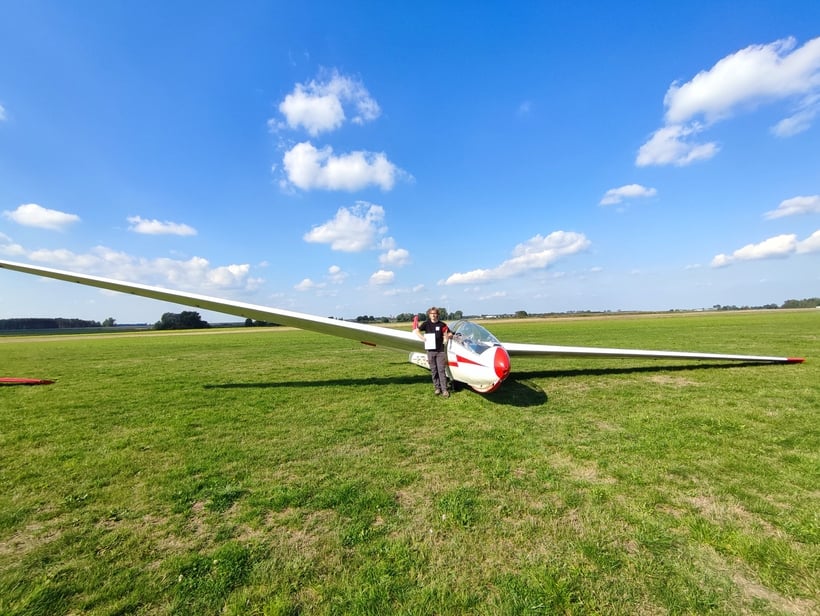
[391,380]
[574,372]
[518,390]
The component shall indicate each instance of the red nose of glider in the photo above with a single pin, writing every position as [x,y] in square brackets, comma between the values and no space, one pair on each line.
[502,363]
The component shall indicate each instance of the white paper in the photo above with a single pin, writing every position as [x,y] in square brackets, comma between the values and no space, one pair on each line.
[430,342]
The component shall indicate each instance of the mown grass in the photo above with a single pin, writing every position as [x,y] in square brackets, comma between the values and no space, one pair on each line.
[282,472]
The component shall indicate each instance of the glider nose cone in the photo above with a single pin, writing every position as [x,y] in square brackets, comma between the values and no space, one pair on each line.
[502,363]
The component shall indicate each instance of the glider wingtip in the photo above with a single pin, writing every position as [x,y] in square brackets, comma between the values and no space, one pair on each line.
[795,360]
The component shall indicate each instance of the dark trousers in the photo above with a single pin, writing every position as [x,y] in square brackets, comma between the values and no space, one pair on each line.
[438,368]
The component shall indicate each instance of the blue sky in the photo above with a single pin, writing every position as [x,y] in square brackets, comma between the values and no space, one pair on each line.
[376,158]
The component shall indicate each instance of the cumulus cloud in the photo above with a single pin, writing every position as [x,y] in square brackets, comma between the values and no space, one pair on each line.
[195,274]
[336,275]
[352,229]
[395,257]
[801,119]
[796,205]
[810,244]
[758,74]
[308,167]
[382,277]
[630,191]
[156,227]
[319,106]
[308,285]
[672,145]
[33,215]
[9,248]
[536,253]
[395,292]
[777,247]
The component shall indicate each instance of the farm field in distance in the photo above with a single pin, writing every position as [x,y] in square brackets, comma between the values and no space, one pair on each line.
[277,471]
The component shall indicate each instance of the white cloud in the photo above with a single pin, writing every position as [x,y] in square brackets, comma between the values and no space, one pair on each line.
[796,205]
[746,79]
[801,119]
[394,292]
[319,106]
[351,230]
[536,253]
[671,145]
[195,274]
[382,277]
[777,247]
[336,275]
[33,215]
[307,285]
[308,168]
[9,247]
[629,191]
[2,113]
[396,257]
[156,227]
[810,244]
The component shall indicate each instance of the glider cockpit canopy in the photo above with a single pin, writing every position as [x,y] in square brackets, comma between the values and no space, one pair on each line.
[473,336]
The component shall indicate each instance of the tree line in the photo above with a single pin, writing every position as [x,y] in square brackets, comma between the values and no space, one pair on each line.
[46,323]
[189,319]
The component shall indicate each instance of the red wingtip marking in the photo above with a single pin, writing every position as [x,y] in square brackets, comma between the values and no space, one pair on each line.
[795,360]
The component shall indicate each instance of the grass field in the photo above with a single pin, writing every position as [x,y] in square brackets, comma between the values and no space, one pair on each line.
[283,472]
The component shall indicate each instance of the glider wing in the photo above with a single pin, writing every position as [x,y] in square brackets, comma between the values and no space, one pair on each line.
[370,335]
[518,349]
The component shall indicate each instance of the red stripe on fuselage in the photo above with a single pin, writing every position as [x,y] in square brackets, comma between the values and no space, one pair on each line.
[464,360]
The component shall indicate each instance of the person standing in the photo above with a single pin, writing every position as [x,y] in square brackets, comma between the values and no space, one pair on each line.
[434,333]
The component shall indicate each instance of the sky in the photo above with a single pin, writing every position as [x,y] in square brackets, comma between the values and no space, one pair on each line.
[378,158]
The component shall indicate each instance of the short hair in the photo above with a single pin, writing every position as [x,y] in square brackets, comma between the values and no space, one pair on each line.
[432,309]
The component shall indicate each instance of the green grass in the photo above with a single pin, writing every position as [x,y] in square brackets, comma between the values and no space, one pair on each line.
[282,472]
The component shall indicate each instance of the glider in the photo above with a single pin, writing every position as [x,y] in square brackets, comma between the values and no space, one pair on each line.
[475,357]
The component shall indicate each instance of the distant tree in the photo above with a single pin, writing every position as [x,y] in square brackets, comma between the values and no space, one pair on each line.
[249,322]
[187,319]
[109,322]
[521,314]
[812,302]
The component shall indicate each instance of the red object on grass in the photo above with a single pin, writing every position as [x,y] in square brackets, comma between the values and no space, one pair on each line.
[10,380]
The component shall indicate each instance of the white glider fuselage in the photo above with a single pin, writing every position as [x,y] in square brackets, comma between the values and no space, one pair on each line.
[475,357]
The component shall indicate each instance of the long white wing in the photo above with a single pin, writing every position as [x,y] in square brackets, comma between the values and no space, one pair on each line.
[366,334]
[518,349]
